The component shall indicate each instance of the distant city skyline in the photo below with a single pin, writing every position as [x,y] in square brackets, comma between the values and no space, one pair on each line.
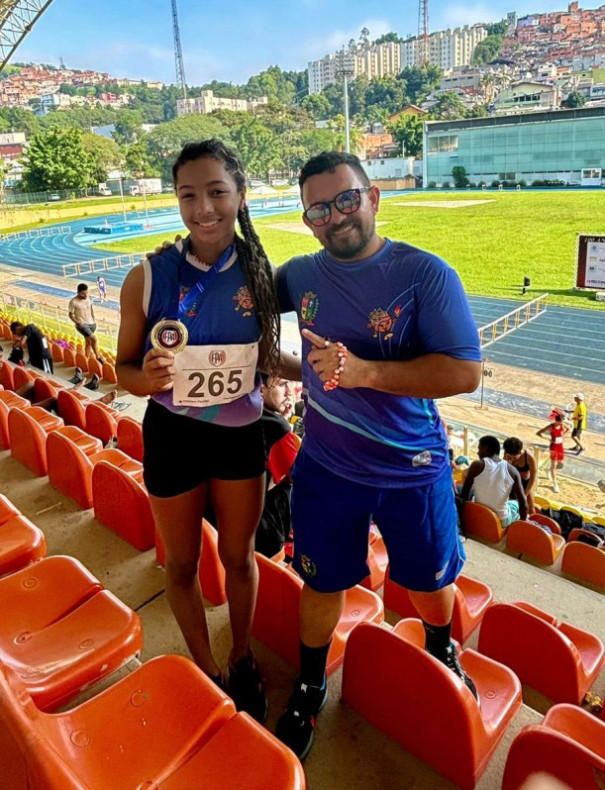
[231,42]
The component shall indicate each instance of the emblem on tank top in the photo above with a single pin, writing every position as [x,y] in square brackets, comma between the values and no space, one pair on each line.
[383,323]
[243,297]
[309,305]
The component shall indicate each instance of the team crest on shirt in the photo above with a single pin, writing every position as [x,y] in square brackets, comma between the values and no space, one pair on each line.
[309,305]
[243,297]
[383,323]
[308,566]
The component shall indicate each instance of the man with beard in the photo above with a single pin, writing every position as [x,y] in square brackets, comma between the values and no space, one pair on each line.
[386,329]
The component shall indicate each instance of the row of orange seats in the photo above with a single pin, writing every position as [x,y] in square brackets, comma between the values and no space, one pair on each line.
[165,724]
[584,562]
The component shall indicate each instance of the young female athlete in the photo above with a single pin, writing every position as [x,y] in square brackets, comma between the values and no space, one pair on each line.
[197,322]
[557,431]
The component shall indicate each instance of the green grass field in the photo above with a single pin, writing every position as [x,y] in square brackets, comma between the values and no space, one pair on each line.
[492,245]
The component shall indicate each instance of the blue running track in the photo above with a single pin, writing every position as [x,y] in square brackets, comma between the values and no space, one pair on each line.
[564,341]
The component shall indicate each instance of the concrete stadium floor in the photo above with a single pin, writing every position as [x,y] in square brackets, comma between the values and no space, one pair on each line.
[349,753]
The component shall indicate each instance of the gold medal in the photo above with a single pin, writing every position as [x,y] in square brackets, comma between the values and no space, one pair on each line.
[169,334]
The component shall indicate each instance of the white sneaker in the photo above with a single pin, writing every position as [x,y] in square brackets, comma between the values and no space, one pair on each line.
[555,488]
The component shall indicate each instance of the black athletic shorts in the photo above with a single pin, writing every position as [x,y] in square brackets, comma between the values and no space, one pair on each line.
[576,433]
[180,453]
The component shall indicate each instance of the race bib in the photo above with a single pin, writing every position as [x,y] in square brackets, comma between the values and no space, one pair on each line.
[558,440]
[214,375]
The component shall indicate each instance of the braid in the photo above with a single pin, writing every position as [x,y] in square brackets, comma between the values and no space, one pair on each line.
[259,278]
[254,261]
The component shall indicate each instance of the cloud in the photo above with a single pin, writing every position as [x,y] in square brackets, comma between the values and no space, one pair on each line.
[460,15]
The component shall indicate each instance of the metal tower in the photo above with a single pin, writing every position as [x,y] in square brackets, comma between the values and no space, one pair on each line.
[423,32]
[178,52]
[17,17]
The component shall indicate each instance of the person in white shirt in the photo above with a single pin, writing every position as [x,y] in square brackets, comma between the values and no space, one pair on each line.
[493,480]
[82,313]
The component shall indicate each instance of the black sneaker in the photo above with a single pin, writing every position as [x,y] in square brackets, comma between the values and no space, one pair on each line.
[247,688]
[93,384]
[79,376]
[451,661]
[295,727]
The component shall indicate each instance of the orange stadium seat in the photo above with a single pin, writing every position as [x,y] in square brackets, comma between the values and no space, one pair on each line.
[378,560]
[57,352]
[7,509]
[539,518]
[525,537]
[276,619]
[21,543]
[121,502]
[427,708]
[481,522]
[241,756]
[72,407]
[568,745]
[109,373]
[69,357]
[9,400]
[43,389]
[101,421]
[21,377]
[82,361]
[62,631]
[585,562]
[557,659]
[7,378]
[578,533]
[136,733]
[130,438]
[472,599]
[95,367]
[71,455]
[28,430]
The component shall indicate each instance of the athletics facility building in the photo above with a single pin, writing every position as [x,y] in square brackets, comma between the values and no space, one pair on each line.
[555,145]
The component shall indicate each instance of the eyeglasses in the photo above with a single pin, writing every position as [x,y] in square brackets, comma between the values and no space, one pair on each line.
[346,202]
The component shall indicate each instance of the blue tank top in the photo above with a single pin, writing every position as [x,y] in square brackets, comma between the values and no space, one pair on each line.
[222,315]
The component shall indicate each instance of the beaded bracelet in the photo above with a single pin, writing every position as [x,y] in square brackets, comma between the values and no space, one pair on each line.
[342,358]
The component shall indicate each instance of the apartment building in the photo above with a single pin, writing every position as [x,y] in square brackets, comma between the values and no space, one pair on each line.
[372,60]
[447,48]
[207,102]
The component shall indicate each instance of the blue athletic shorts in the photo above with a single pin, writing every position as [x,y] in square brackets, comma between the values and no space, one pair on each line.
[331,519]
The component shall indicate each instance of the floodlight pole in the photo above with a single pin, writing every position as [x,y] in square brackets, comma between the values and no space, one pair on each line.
[122,196]
[345,69]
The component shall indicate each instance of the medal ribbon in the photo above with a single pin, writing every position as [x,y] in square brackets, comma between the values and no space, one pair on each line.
[190,299]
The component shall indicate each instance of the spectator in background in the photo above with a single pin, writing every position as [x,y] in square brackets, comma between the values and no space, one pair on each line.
[493,480]
[525,464]
[557,430]
[102,288]
[30,337]
[82,313]
[579,422]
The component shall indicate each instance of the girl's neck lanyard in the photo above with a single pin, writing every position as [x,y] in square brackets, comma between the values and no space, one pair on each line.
[188,303]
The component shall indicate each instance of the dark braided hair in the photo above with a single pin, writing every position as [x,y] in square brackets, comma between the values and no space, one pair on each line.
[255,264]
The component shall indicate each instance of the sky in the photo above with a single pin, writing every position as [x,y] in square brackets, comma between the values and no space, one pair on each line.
[231,40]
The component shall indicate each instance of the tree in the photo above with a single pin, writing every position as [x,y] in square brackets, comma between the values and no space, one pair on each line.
[448,107]
[497,28]
[166,140]
[337,127]
[419,82]
[389,37]
[104,155]
[459,176]
[364,36]
[20,120]
[139,161]
[56,159]
[487,50]
[575,99]
[128,127]
[407,131]
[317,105]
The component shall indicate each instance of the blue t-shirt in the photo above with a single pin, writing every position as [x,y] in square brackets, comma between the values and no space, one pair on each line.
[399,304]
[222,315]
